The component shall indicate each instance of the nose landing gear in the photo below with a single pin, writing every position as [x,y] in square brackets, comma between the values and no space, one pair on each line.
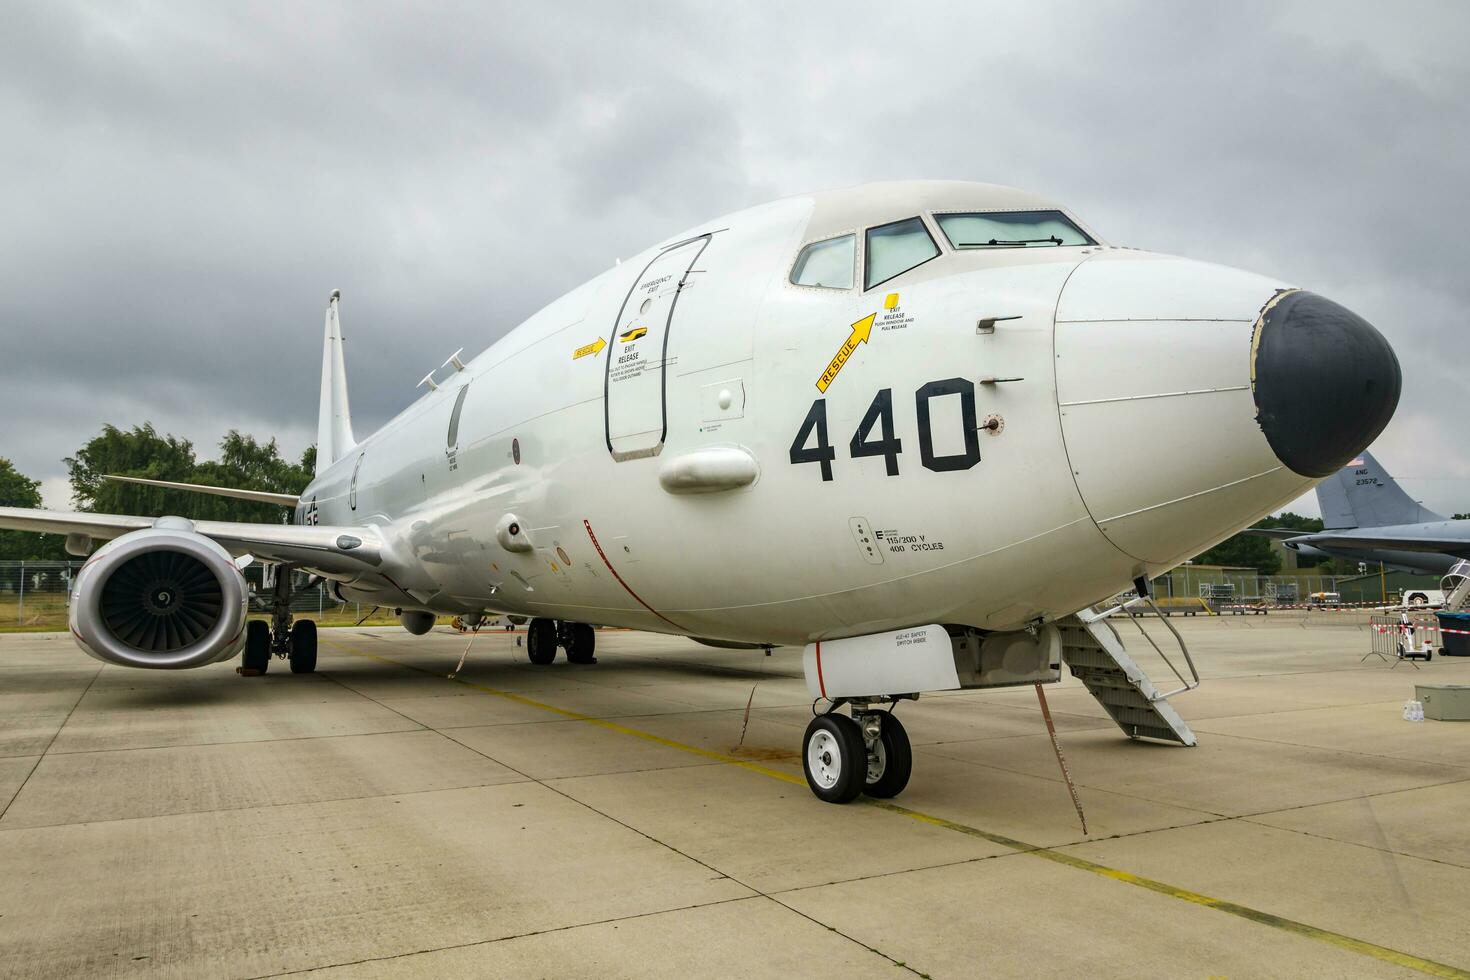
[868,753]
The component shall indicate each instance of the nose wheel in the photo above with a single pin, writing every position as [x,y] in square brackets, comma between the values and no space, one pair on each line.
[845,757]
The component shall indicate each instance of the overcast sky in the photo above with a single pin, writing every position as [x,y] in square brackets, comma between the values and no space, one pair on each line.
[182,184]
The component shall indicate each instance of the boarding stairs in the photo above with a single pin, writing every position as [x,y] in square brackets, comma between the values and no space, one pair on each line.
[1456,586]
[1094,651]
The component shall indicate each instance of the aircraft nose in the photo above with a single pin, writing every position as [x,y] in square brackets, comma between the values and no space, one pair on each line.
[1325,382]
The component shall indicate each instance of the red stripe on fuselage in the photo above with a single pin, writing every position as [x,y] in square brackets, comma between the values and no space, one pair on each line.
[627,588]
[821,684]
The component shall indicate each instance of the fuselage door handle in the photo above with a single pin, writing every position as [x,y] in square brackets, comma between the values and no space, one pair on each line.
[987,323]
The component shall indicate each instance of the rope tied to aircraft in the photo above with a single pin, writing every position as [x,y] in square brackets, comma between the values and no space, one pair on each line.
[1056,746]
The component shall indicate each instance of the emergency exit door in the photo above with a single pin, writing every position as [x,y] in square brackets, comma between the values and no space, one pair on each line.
[639,359]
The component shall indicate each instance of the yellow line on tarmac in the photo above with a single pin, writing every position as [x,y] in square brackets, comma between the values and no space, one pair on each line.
[1337,939]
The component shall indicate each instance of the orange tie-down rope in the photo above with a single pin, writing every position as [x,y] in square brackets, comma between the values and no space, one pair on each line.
[1051,730]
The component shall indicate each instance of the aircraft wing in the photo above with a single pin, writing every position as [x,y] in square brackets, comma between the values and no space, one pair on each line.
[343,550]
[1280,533]
[1431,538]
[255,496]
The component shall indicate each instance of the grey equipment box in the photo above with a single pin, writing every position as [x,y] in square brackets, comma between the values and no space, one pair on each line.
[1444,702]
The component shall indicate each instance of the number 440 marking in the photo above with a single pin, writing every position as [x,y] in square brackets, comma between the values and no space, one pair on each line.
[887,444]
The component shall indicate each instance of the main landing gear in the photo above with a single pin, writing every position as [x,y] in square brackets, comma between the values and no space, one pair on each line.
[292,642]
[867,753]
[543,636]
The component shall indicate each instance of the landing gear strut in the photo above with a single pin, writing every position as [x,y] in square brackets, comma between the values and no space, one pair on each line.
[281,613]
[867,753]
[295,643]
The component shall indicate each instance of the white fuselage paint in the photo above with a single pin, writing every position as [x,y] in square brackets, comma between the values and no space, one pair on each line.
[1125,443]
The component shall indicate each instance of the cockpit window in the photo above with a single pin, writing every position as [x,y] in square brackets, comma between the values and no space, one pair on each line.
[1011,229]
[896,248]
[827,264]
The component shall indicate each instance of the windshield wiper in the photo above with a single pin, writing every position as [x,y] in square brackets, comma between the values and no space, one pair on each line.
[1000,242]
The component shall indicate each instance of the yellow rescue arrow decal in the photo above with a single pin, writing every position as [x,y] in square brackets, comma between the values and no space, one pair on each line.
[592,348]
[860,332]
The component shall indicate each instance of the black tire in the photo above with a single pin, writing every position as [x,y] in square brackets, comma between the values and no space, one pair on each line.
[541,641]
[892,761]
[257,655]
[581,641]
[303,647]
[834,758]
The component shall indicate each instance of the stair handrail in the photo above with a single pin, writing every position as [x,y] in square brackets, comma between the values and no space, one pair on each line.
[1456,593]
[1187,684]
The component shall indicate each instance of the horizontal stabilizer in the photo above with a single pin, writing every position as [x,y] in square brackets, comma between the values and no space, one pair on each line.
[256,496]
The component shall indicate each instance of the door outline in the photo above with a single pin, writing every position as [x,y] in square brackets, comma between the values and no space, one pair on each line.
[664,355]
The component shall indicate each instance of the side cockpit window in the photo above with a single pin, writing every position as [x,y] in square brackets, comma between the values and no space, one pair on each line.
[894,249]
[827,264]
[1010,229]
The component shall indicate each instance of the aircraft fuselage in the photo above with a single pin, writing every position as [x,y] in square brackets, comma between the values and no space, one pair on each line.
[693,443]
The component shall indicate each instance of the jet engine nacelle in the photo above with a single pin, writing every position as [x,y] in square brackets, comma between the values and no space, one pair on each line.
[165,597]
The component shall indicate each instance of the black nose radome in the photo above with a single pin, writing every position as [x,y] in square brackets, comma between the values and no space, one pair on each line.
[1325,381]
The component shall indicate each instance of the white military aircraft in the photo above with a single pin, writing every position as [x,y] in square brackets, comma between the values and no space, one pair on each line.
[914,427]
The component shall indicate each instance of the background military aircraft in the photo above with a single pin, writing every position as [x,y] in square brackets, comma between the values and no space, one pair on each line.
[1367,517]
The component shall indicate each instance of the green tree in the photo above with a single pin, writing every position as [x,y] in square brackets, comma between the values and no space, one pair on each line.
[1293,522]
[1306,525]
[243,463]
[247,464]
[1461,517]
[1243,550]
[19,490]
[138,452]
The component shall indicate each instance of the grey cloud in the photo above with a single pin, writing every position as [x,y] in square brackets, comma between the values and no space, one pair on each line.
[182,184]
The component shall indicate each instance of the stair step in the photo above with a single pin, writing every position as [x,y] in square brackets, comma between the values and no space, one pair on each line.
[1459,596]
[1096,656]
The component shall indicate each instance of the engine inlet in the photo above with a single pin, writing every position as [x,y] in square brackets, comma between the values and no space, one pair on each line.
[161,601]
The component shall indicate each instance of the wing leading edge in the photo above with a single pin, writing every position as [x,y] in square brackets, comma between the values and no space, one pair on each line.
[255,496]
[1448,537]
[341,550]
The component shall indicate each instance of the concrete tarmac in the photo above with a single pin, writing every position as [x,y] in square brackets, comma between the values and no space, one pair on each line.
[379,819]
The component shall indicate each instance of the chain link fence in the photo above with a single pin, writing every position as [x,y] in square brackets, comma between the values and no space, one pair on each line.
[1216,584]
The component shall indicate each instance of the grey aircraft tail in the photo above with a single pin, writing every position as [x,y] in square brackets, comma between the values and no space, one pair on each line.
[334,419]
[1362,494]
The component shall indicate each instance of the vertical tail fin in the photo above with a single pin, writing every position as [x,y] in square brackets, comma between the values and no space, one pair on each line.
[334,419]
[1362,494]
